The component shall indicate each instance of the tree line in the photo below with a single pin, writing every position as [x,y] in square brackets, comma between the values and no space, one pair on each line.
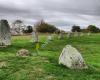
[45,27]
[90,28]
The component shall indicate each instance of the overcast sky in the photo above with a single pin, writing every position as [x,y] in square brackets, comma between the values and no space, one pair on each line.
[62,13]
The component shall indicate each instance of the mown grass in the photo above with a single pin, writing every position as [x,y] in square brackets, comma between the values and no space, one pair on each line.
[45,66]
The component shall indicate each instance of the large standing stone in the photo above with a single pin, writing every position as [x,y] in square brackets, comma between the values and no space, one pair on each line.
[5,35]
[71,58]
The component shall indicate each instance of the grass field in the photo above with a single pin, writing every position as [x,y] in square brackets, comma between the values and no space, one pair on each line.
[45,66]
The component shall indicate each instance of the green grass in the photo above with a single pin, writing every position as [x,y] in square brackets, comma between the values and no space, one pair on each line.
[45,66]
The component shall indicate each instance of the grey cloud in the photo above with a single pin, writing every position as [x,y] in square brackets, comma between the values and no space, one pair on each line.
[58,12]
[90,7]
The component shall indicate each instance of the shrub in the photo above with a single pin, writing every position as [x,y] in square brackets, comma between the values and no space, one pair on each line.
[45,27]
[76,28]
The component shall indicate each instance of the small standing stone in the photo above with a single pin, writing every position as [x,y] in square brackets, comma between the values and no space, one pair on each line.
[76,34]
[69,34]
[35,35]
[71,58]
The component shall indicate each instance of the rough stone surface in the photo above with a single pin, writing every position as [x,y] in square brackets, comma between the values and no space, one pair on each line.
[17,27]
[5,35]
[23,53]
[35,35]
[71,58]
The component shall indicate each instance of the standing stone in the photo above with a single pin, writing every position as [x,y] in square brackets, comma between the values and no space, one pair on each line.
[35,35]
[69,34]
[49,38]
[71,58]
[5,35]
[17,27]
[61,35]
[76,34]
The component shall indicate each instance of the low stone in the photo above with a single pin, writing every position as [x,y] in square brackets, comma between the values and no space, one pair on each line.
[23,53]
[71,58]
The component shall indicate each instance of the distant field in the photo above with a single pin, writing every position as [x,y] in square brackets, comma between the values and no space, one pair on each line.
[45,66]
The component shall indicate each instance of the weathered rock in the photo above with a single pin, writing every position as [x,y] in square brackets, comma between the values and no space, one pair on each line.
[5,35]
[17,27]
[71,58]
[35,35]
[23,53]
